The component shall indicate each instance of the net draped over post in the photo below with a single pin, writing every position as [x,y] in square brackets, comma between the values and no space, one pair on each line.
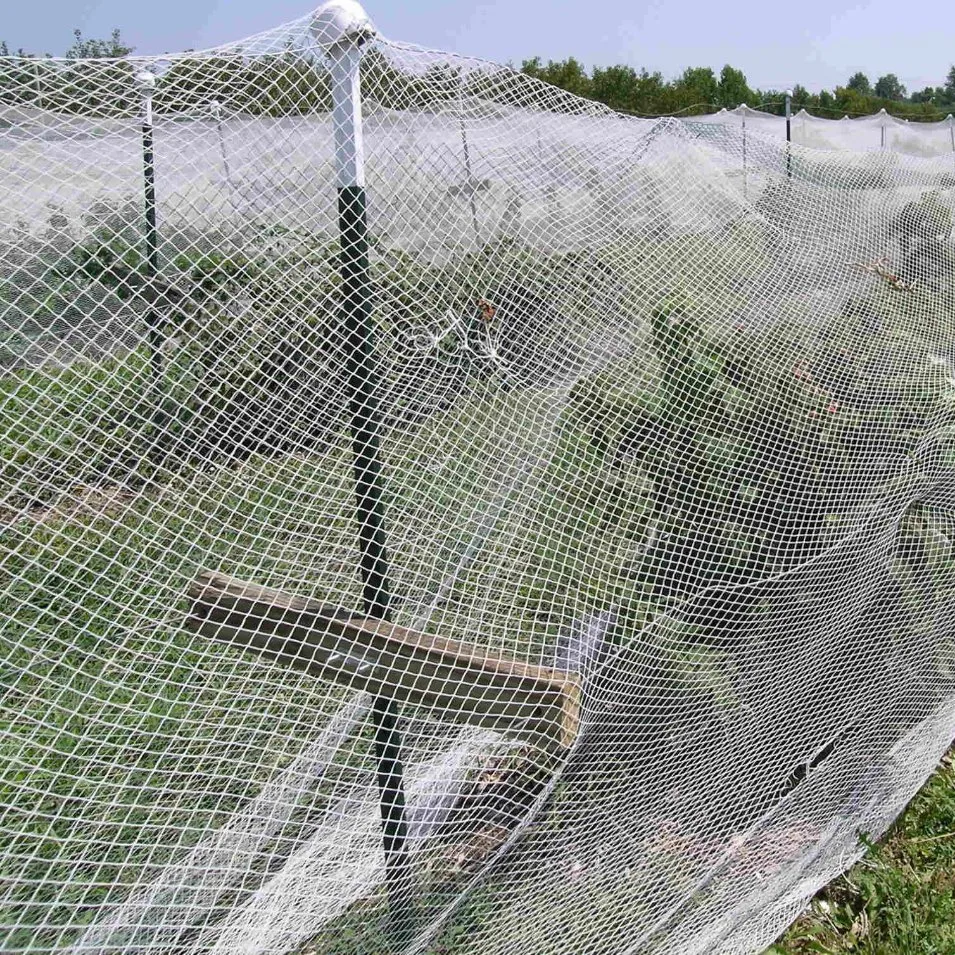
[665,424]
[879,131]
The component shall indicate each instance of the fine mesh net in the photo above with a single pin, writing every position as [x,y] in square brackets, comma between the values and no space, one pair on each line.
[663,419]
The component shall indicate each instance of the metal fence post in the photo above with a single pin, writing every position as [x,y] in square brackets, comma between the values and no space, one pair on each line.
[789,134]
[745,183]
[147,86]
[470,185]
[216,108]
[342,28]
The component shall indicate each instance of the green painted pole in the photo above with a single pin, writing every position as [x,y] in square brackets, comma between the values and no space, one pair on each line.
[155,334]
[342,29]
[147,83]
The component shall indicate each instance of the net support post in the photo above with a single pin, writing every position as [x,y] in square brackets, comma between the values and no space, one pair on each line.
[789,133]
[216,108]
[342,30]
[470,185]
[742,113]
[146,84]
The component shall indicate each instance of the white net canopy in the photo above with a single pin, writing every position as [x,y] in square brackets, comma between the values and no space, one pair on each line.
[642,440]
[879,131]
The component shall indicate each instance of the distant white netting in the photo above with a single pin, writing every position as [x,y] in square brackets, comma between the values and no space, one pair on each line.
[666,414]
[878,131]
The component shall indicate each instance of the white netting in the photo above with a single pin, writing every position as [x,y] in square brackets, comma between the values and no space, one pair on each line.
[666,441]
[859,134]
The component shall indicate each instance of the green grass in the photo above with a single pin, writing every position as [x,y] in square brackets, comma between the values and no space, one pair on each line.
[119,727]
[900,899]
[126,739]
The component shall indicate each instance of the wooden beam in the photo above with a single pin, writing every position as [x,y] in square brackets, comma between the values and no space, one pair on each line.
[454,680]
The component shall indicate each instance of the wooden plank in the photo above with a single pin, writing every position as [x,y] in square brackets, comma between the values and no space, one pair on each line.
[452,679]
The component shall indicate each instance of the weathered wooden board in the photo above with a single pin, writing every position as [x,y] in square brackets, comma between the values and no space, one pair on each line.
[451,679]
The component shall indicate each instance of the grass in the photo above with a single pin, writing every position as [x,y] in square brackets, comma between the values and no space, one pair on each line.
[900,899]
[117,725]
[127,740]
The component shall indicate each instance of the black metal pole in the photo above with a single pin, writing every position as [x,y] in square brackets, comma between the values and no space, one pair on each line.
[789,136]
[344,29]
[470,184]
[745,185]
[154,334]
[365,424]
[217,113]
[151,265]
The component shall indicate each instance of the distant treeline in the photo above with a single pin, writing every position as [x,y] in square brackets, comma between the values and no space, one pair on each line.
[699,90]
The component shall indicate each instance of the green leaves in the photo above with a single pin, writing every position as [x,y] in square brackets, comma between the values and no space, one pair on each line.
[900,899]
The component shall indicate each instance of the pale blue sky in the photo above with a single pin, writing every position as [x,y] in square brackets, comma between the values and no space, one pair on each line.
[818,43]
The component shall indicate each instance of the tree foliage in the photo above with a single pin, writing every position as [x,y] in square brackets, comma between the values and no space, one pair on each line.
[699,90]
[733,88]
[97,49]
[889,87]
[698,84]
[859,82]
[568,74]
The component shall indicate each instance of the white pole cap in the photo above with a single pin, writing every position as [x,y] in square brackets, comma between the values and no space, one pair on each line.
[146,82]
[789,93]
[341,22]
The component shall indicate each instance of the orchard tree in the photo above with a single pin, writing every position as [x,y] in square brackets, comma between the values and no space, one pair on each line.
[20,52]
[97,82]
[654,93]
